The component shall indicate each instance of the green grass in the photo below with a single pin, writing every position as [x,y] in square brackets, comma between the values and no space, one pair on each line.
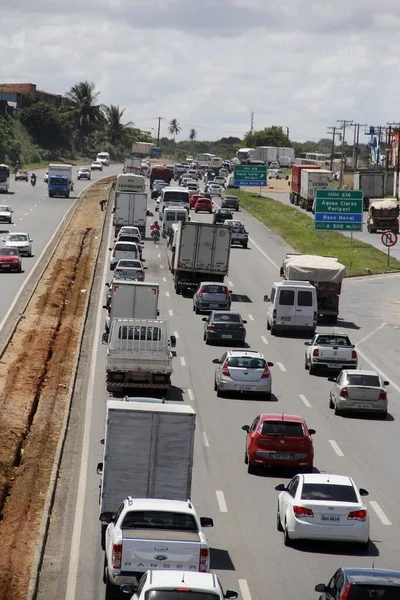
[45,163]
[297,229]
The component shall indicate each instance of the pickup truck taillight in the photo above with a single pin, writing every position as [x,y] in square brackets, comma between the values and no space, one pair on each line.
[116,556]
[204,557]
[354,355]
[315,352]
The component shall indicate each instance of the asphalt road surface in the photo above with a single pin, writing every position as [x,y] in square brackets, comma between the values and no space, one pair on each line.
[247,550]
[39,216]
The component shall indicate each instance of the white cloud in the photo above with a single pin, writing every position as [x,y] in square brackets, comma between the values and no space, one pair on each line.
[294,63]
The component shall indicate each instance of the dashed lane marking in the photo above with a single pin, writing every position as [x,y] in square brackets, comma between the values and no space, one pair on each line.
[205,440]
[183,361]
[281,366]
[221,501]
[380,513]
[264,339]
[251,317]
[191,395]
[244,589]
[176,334]
[167,294]
[171,312]
[336,448]
[304,400]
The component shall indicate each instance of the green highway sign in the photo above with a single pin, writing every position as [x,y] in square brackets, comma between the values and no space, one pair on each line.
[255,175]
[338,210]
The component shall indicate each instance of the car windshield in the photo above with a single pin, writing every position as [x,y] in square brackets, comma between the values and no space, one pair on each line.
[18,237]
[8,252]
[328,492]
[5,209]
[125,247]
[363,380]
[85,171]
[214,289]
[157,519]
[179,594]
[285,428]
[246,362]
[332,340]
[226,318]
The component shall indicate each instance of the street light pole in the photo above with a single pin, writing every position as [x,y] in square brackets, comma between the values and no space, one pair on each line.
[158,130]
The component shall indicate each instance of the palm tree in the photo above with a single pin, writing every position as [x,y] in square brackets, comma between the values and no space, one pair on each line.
[174,128]
[117,132]
[82,109]
[192,135]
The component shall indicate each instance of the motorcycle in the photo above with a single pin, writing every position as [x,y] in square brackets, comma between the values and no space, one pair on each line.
[155,234]
[33,181]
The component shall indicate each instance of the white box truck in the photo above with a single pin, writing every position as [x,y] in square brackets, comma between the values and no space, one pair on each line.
[199,252]
[133,166]
[132,299]
[267,154]
[60,180]
[139,355]
[130,203]
[311,181]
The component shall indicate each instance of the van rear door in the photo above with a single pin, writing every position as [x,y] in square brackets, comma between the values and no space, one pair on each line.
[286,304]
[304,308]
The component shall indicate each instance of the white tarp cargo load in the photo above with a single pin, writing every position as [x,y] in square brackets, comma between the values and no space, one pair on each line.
[387,204]
[307,267]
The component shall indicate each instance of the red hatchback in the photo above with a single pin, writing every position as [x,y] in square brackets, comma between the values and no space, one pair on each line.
[10,260]
[204,205]
[193,199]
[279,440]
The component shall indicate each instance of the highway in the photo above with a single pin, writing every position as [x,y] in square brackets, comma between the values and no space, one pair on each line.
[39,216]
[247,550]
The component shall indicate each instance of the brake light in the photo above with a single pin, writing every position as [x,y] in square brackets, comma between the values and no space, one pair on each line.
[265,374]
[302,511]
[242,328]
[201,292]
[113,252]
[183,590]
[316,352]
[225,370]
[227,292]
[354,354]
[346,592]
[116,556]
[357,515]
[211,326]
[274,313]
[203,564]
[344,393]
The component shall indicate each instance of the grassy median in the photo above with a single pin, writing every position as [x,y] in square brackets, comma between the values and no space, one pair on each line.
[297,229]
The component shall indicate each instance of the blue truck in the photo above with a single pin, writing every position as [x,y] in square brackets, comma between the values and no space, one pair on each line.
[60,180]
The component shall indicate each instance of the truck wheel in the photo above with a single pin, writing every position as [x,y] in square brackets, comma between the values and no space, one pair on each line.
[103,539]
[67,195]
[268,325]
[305,364]
[112,591]
[311,370]
[245,246]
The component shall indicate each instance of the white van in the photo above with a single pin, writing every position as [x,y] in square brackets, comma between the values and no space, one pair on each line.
[292,306]
[173,214]
[173,195]
[104,158]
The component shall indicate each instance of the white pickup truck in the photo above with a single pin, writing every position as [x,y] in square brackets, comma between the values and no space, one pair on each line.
[153,534]
[331,351]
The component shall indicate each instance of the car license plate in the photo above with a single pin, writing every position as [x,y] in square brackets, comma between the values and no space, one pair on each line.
[213,305]
[282,456]
[225,336]
[246,388]
[362,405]
[332,366]
[285,318]
[331,518]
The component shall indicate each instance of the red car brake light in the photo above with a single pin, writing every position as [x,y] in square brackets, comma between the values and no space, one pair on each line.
[344,393]
[383,395]
[116,557]
[357,515]
[201,292]
[225,369]
[354,355]
[346,592]
[265,374]
[316,352]
[301,511]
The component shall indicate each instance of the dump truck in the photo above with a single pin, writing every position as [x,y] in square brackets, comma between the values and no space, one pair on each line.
[383,215]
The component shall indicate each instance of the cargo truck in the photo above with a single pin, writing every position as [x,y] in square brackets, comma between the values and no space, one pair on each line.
[131,299]
[295,195]
[139,355]
[60,180]
[162,173]
[311,181]
[130,203]
[146,149]
[325,273]
[374,184]
[383,215]
[199,252]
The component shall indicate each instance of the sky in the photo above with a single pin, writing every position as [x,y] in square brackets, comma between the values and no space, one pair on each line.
[301,64]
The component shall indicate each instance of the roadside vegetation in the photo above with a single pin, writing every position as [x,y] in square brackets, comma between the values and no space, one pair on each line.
[297,230]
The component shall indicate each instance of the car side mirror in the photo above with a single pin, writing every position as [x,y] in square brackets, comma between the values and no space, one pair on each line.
[270,364]
[332,379]
[107,285]
[231,594]
[145,268]
[110,249]
[246,428]
[311,431]
[102,442]
[216,361]
[386,383]
[206,522]
[280,488]
[266,298]
[307,343]
[173,341]
[363,492]
[320,587]
[244,322]
[105,306]
[128,588]
[104,338]
[205,319]
[99,469]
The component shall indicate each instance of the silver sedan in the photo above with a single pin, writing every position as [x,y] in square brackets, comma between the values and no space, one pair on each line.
[357,390]
[243,371]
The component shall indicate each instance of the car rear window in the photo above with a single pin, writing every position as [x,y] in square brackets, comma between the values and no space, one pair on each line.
[214,289]
[128,238]
[129,264]
[154,519]
[304,298]
[125,247]
[286,298]
[362,380]
[226,318]
[8,252]
[328,492]
[331,340]
[374,592]
[245,362]
[285,428]
[183,594]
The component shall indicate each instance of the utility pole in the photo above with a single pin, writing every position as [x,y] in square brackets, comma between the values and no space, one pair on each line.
[345,124]
[251,122]
[332,132]
[158,130]
[396,127]
[356,143]
[287,133]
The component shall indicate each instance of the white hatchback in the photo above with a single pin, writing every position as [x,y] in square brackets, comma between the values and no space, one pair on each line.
[319,506]
[121,250]
[21,241]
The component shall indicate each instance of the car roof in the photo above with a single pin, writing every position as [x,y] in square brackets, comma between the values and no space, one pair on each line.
[161,504]
[213,283]
[17,233]
[361,372]
[225,312]
[178,579]
[367,575]
[281,417]
[327,478]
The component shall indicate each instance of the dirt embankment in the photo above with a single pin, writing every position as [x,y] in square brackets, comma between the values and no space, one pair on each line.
[36,374]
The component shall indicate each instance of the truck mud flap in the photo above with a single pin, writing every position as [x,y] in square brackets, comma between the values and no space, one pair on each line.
[116,387]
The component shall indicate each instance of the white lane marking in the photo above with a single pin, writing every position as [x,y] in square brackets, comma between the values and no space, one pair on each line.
[251,317]
[336,448]
[380,513]
[263,253]
[191,395]
[164,279]
[264,339]
[26,214]
[304,399]
[373,365]
[205,440]
[183,361]
[167,294]
[30,209]
[20,219]
[244,589]
[83,471]
[221,501]
[35,205]
[176,334]
[280,365]
[161,266]
[158,255]
[230,283]
[365,338]
[39,202]
[171,312]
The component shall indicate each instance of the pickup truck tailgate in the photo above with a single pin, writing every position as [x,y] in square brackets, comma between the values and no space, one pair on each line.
[336,354]
[143,550]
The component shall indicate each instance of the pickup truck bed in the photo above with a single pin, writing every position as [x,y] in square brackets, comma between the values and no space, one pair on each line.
[330,352]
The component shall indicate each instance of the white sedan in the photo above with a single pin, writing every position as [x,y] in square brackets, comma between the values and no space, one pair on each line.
[21,241]
[316,506]
[96,166]
[361,391]
[214,189]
